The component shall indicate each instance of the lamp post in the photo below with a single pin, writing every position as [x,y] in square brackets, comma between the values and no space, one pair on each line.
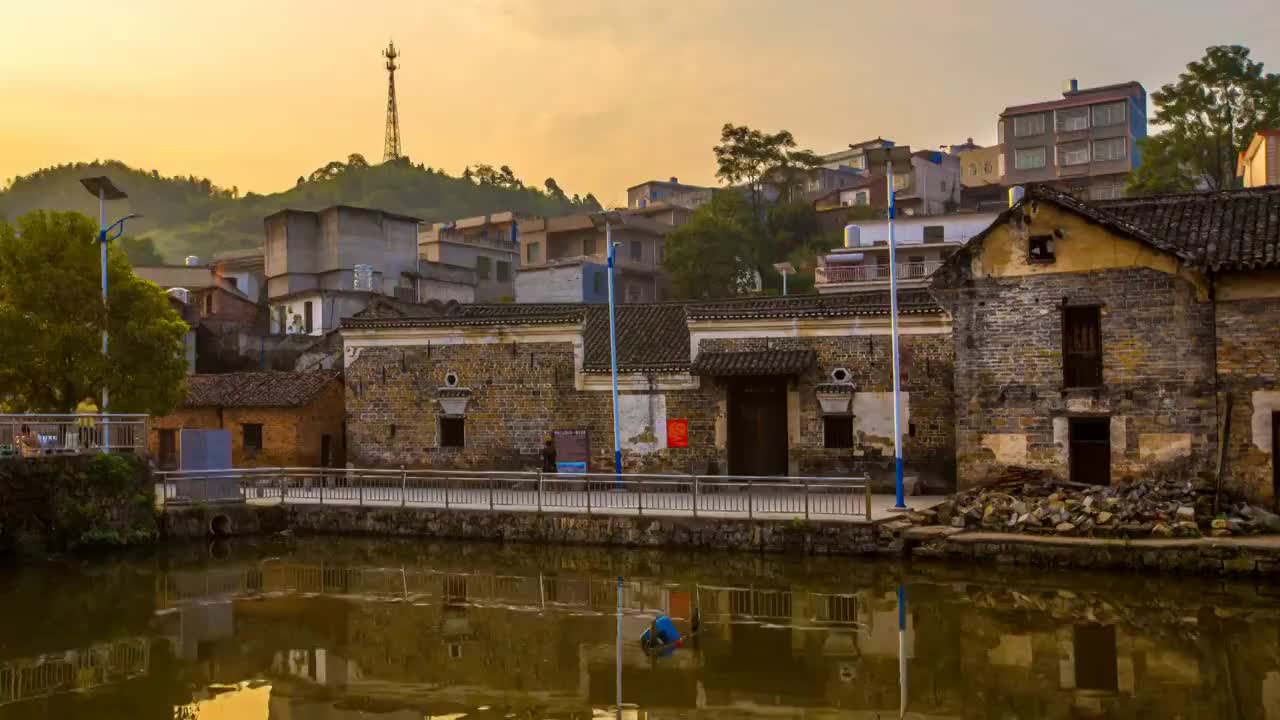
[613,350]
[103,189]
[894,158]
[785,268]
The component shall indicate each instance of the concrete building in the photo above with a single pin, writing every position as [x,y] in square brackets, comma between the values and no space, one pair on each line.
[922,243]
[245,270]
[1085,144]
[485,244]
[1107,341]
[672,192]
[1260,163]
[312,257]
[982,183]
[855,156]
[223,319]
[931,188]
[564,259]
[770,386]
[276,419]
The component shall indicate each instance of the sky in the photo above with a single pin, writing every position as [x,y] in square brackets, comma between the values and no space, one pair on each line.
[599,94]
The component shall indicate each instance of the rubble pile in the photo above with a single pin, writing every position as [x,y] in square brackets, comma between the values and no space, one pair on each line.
[1155,507]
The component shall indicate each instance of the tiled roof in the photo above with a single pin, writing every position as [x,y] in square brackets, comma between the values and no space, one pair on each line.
[257,389]
[385,312]
[759,362]
[650,338]
[816,306]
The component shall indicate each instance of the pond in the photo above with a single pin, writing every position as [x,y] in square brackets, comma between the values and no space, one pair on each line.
[324,629]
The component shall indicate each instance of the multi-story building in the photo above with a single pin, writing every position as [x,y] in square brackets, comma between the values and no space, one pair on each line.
[981,176]
[1085,144]
[671,191]
[855,156]
[922,243]
[485,243]
[324,266]
[931,188]
[1260,162]
[565,259]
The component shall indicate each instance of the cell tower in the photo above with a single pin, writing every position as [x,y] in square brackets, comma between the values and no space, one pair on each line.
[391,149]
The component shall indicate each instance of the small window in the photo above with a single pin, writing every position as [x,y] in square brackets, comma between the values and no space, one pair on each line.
[533,251]
[1028,158]
[452,432]
[599,283]
[307,320]
[986,167]
[861,198]
[934,233]
[1109,114]
[504,271]
[1040,249]
[973,169]
[208,305]
[837,431]
[637,250]
[252,437]
[455,651]
[588,246]
[1110,149]
[169,449]
[659,252]
[1027,125]
[482,267]
[1081,346]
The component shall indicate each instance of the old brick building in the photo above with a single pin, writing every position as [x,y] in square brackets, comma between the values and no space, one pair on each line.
[276,419]
[797,385]
[1105,341]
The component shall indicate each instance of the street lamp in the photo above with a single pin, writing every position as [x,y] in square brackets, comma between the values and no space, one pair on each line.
[897,158]
[613,348]
[103,189]
[785,268]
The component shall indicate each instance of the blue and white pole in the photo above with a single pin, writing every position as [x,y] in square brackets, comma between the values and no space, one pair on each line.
[900,500]
[613,353]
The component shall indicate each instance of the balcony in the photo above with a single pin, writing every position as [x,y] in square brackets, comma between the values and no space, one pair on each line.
[859,274]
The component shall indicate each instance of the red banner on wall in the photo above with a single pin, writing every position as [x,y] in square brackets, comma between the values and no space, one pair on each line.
[677,433]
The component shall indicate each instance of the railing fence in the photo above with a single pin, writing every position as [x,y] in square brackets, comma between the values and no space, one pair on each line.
[36,435]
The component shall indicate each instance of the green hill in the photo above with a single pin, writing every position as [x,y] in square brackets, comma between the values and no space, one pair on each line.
[193,216]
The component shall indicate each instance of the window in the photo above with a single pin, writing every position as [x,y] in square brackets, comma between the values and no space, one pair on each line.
[168,449]
[659,252]
[482,267]
[634,292]
[1109,114]
[533,251]
[599,283]
[637,250]
[973,169]
[862,197]
[233,281]
[1073,154]
[986,167]
[453,432]
[251,437]
[1110,149]
[1082,346]
[837,431]
[901,182]
[1040,249]
[934,233]
[1027,125]
[1028,158]
[208,304]
[589,245]
[643,203]
[307,321]
[1073,119]
[282,320]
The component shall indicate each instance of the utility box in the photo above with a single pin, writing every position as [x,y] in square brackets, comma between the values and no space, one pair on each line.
[208,451]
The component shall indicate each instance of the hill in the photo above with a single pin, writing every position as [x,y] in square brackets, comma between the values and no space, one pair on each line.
[193,216]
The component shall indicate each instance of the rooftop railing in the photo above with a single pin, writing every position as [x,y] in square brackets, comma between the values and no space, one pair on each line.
[846,498]
[35,435]
[875,273]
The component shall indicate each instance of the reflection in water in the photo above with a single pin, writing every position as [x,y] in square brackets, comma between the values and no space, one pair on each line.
[338,630]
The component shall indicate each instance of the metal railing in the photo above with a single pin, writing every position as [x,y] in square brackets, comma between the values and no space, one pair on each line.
[594,493]
[875,273]
[74,670]
[35,435]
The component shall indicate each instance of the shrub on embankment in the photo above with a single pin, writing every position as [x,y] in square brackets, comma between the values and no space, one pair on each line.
[56,504]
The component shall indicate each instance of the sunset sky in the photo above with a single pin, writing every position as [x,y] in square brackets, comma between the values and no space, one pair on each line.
[596,93]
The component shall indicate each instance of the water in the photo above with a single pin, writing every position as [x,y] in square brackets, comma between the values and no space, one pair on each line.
[300,629]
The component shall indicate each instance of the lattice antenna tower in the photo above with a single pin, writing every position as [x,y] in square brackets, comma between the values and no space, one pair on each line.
[391,147]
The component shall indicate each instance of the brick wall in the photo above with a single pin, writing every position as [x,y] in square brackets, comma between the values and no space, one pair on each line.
[1248,371]
[290,436]
[1011,407]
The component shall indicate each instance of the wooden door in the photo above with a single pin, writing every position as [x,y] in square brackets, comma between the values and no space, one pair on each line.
[758,426]
[1090,450]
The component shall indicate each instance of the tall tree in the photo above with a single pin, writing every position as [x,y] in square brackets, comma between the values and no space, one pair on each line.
[747,156]
[51,319]
[1212,112]
[711,255]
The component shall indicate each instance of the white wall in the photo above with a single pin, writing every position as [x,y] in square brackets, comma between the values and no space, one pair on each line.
[556,284]
[906,230]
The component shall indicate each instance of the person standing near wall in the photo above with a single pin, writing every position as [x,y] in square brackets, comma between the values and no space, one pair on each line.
[549,455]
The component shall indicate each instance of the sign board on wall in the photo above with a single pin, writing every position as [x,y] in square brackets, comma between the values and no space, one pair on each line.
[573,450]
[678,433]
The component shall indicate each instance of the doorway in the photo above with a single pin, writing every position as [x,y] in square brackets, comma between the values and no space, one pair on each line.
[1089,452]
[326,450]
[757,435]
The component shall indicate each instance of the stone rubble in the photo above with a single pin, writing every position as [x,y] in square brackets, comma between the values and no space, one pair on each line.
[1158,507]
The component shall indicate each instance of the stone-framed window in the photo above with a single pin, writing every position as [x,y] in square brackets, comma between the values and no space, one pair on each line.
[837,431]
[1081,346]
[1040,249]
[251,437]
[453,431]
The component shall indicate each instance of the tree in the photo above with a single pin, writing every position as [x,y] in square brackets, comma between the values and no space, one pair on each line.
[51,319]
[553,189]
[140,251]
[711,255]
[590,203]
[746,156]
[1212,112]
[355,160]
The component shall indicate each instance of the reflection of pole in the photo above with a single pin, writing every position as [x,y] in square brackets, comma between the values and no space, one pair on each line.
[618,682]
[902,651]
